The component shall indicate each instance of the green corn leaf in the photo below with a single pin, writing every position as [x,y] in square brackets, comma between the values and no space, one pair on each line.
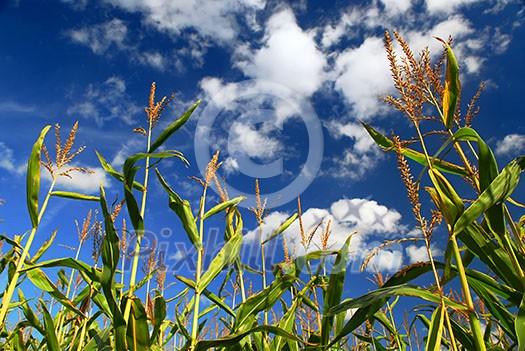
[74,196]
[223,206]
[387,144]
[42,281]
[520,325]
[29,314]
[100,341]
[33,178]
[497,192]
[452,86]
[488,171]
[112,172]
[49,326]
[248,310]
[371,302]
[110,253]
[496,308]
[159,315]
[211,296]
[89,273]
[281,229]
[137,332]
[445,197]
[45,246]
[235,339]
[334,293]
[224,258]
[172,128]
[183,210]
[435,330]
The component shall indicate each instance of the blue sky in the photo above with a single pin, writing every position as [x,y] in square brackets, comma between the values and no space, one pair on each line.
[282,88]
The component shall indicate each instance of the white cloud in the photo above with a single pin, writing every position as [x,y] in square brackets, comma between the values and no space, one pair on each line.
[358,159]
[446,7]
[87,183]
[153,59]
[347,216]
[288,56]
[386,260]
[244,139]
[218,20]
[362,74]
[420,254]
[230,165]
[105,102]
[13,106]
[397,7]
[7,161]
[511,145]
[100,37]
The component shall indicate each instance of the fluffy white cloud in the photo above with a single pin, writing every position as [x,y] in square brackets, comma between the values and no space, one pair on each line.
[446,7]
[347,216]
[106,101]
[244,139]
[361,74]
[288,56]
[358,159]
[511,145]
[86,183]
[386,260]
[153,59]
[420,254]
[7,161]
[396,7]
[218,20]
[100,37]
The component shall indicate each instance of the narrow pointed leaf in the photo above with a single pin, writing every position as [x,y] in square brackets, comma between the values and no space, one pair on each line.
[452,86]
[334,292]
[387,144]
[435,330]
[33,177]
[223,206]
[520,326]
[281,229]
[183,210]
[117,175]
[172,128]
[74,196]
[224,258]
[49,326]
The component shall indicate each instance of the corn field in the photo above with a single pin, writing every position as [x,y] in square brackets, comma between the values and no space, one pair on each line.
[476,299]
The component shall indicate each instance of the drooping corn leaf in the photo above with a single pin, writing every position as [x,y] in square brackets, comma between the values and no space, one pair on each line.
[183,210]
[441,165]
[33,177]
[42,281]
[112,172]
[520,325]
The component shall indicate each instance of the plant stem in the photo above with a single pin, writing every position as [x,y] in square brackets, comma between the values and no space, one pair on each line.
[14,281]
[473,317]
[200,256]
[136,254]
